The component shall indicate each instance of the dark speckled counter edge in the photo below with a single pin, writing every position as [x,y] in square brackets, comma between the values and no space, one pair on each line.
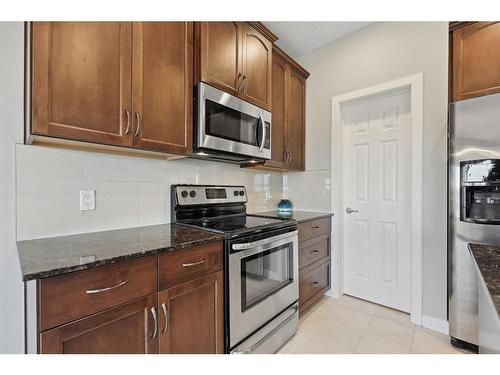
[488,269]
[104,262]
[185,237]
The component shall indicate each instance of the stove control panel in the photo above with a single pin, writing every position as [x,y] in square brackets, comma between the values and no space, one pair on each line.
[203,194]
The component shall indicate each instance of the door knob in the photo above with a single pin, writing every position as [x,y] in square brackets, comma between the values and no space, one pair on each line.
[349,210]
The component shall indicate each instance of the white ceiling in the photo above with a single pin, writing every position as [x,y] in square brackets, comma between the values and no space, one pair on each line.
[299,38]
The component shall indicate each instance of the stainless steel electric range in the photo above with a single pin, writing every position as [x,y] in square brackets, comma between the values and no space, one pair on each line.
[260,265]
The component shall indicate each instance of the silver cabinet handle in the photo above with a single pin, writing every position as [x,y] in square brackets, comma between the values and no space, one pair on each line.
[264,131]
[155,320]
[194,263]
[287,156]
[127,130]
[314,283]
[245,82]
[239,81]
[314,251]
[349,210]
[242,87]
[100,290]
[291,155]
[138,129]
[164,308]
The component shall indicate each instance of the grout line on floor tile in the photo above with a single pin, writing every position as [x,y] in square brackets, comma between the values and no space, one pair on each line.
[364,333]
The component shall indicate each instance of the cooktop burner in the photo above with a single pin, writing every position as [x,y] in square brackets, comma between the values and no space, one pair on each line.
[235,223]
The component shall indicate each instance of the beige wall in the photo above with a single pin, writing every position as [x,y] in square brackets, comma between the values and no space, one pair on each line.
[377,54]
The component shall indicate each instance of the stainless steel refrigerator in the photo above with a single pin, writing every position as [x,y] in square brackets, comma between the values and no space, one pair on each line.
[474,205]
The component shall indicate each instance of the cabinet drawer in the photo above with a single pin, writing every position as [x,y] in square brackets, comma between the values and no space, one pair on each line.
[314,282]
[314,250]
[314,228]
[68,297]
[180,266]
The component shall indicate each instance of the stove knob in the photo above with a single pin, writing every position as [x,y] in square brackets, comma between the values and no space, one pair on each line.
[192,193]
[184,194]
[235,193]
[242,192]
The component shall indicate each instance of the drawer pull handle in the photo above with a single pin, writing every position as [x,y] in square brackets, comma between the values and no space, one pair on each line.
[314,251]
[164,308]
[316,227]
[100,290]
[314,283]
[155,320]
[194,263]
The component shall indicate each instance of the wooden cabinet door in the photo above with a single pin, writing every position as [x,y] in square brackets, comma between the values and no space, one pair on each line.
[279,114]
[191,316]
[257,67]
[162,86]
[476,60]
[81,80]
[295,126]
[220,52]
[126,329]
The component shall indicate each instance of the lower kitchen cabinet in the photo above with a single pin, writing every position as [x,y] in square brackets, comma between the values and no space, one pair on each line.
[126,329]
[314,261]
[117,308]
[192,317]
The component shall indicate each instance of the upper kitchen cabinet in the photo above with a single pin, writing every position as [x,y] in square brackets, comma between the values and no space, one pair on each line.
[220,55]
[162,79]
[475,60]
[288,109]
[257,67]
[236,57]
[279,112]
[114,83]
[296,120]
[81,81]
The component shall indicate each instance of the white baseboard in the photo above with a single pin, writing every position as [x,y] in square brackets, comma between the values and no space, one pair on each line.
[435,324]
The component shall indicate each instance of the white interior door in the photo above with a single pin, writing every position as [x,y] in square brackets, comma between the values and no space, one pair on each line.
[376,164]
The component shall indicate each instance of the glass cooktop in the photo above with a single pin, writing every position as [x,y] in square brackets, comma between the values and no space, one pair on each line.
[240,223]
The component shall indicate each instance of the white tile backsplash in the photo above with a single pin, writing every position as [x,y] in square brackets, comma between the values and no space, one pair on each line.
[48,182]
[130,191]
[309,190]
[116,206]
[153,206]
[110,167]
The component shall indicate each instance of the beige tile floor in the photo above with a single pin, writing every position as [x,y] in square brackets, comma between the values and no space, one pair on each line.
[351,325]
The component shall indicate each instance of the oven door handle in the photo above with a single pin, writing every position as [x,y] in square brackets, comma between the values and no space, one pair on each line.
[250,245]
[263,138]
[251,349]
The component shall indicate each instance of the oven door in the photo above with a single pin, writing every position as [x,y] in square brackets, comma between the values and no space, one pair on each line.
[227,123]
[263,281]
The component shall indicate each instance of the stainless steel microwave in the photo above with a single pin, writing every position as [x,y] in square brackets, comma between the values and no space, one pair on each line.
[229,128]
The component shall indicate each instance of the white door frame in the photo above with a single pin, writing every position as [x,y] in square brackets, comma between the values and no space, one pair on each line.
[415,85]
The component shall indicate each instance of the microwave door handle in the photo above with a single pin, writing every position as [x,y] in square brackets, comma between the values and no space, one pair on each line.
[262,141]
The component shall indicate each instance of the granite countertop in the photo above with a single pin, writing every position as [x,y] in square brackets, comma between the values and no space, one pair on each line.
[40,258]
[487,258]
[299,216]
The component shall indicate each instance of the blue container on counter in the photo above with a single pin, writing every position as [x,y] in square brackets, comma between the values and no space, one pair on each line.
[285,205]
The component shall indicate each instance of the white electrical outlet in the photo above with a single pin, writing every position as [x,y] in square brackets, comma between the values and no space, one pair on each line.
[87,200]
